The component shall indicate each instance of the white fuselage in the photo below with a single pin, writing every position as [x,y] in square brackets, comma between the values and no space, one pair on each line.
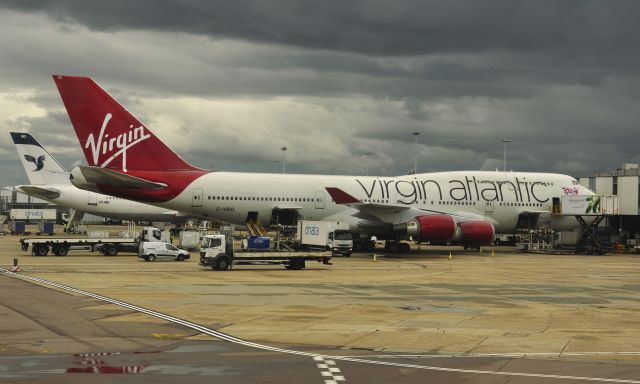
[107,206]
[496,197]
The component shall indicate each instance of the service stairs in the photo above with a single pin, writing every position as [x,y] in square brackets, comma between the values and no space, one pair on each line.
[75,217]
[256,228]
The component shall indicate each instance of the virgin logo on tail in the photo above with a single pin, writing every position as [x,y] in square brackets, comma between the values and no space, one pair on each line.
[114,146]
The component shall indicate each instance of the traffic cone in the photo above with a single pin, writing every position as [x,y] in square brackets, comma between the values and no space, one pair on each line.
[493,253]
[450,257]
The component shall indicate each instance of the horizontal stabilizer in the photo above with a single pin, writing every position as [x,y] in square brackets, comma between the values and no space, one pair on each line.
[103,176]
[46,193]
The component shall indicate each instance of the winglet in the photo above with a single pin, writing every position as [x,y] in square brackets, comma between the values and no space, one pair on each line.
[341,197]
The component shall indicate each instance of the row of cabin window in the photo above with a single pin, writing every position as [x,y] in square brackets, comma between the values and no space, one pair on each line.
[502,204]
[462,203]
[253,198]
[521,204]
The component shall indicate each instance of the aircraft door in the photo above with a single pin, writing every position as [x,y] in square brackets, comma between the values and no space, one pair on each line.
[93,198]
[319,200]
[196,200]
[488,207]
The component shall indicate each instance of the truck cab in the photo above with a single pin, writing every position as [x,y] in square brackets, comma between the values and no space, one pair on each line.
[341,242]
[213,245]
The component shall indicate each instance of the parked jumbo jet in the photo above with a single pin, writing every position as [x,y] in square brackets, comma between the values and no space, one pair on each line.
[127,160]
[50,182]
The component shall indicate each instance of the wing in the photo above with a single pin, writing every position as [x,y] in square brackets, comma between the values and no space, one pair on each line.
[386,212]
[393,213]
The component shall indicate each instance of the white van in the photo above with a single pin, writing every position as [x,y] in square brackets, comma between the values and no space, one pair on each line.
[152,250]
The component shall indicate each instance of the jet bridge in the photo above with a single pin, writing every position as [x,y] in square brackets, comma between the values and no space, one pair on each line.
[589,211]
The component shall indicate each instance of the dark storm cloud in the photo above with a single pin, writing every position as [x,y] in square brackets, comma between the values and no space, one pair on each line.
[373,27]
[524,44]
[558,77]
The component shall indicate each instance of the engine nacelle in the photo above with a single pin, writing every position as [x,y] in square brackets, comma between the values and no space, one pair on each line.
[443,228]
[432,228]
[476,233]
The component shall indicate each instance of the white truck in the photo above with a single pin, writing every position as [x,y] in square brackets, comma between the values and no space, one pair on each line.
[217,251]
[328,235]
[108,246]
[152,250]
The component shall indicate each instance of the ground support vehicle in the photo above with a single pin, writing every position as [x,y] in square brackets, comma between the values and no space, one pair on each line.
[217,252]
[60,246]
[329,235]
[152,250]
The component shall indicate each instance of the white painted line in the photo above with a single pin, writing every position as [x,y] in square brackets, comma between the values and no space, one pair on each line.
[507,354]
[315,356]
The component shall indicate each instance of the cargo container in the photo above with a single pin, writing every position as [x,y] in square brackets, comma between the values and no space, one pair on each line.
[256,243]
[330,235]
[189,239]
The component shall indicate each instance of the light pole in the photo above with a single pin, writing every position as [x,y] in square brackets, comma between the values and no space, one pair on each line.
[504,160]
[415,158]
[366,159]
[276,165]
[284,159]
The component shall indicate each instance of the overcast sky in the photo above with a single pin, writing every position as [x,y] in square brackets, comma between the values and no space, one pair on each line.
[228,83]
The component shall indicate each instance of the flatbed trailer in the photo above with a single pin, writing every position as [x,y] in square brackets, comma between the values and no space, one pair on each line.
[61,246]
[108,246]
[218,254]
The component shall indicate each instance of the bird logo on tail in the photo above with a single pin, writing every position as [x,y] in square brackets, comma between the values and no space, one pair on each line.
[39,162]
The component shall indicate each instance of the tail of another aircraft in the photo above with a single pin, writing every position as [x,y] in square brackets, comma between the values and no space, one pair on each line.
[40,166]
[109,135]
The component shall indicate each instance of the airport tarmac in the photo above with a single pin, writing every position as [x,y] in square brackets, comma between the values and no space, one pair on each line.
[474,318]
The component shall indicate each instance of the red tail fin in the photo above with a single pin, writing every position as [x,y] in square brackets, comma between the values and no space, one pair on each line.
[109,135]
